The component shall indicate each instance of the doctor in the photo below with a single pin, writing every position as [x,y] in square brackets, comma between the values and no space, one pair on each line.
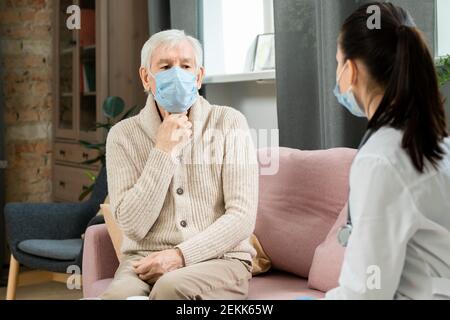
[399,246]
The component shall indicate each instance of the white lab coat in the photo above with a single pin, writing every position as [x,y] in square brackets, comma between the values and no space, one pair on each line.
[400,243]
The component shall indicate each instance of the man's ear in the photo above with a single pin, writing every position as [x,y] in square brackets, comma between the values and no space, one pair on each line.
[200,76]
[146,79]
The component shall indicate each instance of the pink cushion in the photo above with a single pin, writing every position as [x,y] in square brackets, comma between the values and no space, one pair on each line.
[280,286]
[327,262]
[299,205]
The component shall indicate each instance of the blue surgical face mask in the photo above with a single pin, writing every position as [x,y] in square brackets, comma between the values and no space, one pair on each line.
[347,99]
[176,90]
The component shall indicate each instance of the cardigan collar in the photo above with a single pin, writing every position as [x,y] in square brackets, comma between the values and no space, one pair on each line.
[151,121]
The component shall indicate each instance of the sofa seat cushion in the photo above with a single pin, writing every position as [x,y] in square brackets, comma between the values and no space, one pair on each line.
[278,285]
[275,285]
[63,250]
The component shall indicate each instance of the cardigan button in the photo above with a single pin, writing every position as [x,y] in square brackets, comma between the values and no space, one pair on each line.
[183,223]
[180,191]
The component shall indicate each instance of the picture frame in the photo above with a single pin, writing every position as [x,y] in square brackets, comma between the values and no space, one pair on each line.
[264,58]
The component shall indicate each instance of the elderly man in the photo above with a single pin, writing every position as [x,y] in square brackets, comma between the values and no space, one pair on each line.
[183,184]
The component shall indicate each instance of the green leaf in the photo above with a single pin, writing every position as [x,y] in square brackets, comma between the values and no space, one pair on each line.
[129,113]
[84,143]
[95,146]
[92,161]
[107,126]
[86,192]
[113,106]
[443,70]
[90,175]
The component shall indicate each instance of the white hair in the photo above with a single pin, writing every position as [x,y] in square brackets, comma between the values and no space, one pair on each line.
[169,38]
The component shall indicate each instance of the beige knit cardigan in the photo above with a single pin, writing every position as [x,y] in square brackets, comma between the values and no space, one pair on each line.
[202,198]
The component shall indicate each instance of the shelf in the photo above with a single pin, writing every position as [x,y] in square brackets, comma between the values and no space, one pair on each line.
[90,47]
[67,51]
[268,75]
[66,94]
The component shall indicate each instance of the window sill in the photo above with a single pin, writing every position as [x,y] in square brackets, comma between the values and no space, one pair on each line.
[259,76]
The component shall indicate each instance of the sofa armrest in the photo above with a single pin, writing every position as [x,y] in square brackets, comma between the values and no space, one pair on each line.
[99,258]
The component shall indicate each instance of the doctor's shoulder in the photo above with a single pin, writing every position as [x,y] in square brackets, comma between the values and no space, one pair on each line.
[382,152]
[385,147]
[384,141]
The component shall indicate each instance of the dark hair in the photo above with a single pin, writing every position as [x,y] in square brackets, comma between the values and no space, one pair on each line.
[399,60]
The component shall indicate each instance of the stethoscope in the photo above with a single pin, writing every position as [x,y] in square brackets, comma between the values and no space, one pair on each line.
[346,230]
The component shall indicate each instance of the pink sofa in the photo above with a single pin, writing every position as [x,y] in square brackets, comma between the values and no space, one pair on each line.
[297,208]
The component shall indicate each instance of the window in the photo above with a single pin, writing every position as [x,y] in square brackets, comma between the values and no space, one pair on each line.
[230,30]
[443,27]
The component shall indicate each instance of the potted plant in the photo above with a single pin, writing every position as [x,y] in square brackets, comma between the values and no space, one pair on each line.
[113,107]
[443,70]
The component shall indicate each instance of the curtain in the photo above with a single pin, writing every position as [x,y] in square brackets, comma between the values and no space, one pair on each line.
[305,38]
[186,15]
[175,14]
[158,15]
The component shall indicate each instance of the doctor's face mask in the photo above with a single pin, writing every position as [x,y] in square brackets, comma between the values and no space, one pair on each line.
[347,99]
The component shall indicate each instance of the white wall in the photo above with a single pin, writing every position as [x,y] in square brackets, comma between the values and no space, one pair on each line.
[443,16]
[257,101]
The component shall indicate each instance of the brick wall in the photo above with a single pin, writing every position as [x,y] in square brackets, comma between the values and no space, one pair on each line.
[26,54]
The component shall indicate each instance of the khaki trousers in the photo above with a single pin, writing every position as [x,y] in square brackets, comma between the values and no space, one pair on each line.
[219,279]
